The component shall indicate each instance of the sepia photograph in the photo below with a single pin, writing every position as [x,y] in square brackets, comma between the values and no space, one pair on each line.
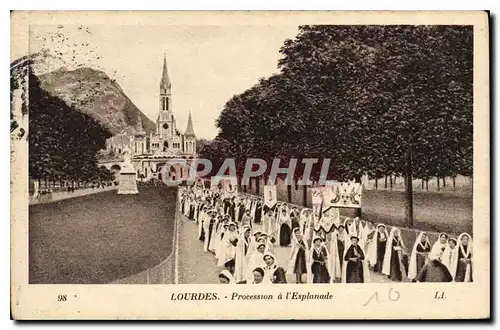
[322,157]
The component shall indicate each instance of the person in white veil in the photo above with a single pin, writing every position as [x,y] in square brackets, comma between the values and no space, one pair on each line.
[256,259]
[355,269]
[208,227]
[393,265]
[461,264]
[353,227]
[269,221]
[298,256]
[448,253]
[275,273]
[419,255]
[217,230]
[305,220]
[284,227]
[219,246]
[228,246]
[269,241]
[366,236]
[439,246]
[225,277]
[203,216]
[318,261]
[242,247]
[376,250]
[335,259]
[258,276]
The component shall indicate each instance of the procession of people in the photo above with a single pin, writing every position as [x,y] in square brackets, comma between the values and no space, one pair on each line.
[243,233]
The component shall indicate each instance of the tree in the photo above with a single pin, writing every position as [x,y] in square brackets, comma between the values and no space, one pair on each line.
[374,99]
[63,142]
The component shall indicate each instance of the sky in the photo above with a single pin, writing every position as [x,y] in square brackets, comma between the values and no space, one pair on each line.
[207,64]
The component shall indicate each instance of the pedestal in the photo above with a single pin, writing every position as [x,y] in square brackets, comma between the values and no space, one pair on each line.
[127,184]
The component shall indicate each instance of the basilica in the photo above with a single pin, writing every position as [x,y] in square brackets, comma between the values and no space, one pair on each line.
[148,152]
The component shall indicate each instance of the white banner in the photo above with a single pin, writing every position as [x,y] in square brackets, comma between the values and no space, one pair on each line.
[270,196]
[343,194]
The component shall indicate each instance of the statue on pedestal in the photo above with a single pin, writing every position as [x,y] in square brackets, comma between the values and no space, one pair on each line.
[127,182]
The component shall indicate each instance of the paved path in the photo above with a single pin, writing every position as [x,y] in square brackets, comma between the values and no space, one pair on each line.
[198,267]
[195,266]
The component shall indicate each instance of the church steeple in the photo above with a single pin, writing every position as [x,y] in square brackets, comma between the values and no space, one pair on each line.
[165,80]
[138,125]
[189,129]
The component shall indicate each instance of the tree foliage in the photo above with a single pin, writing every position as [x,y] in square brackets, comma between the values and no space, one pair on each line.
[63,142]
[362,96]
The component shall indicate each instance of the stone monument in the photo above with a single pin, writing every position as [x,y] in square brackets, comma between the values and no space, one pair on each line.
[127,183]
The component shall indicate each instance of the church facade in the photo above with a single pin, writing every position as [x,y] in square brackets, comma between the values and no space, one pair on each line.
[149,152]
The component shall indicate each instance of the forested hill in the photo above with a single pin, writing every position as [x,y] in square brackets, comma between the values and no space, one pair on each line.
[94,93]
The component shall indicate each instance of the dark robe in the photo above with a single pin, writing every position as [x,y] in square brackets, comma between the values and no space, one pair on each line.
[295,223]
[241,211]
[354,269]
[258,213]
[226,205]
[202,236]
[278,276]
[210,229]
[285,235]
[340,249]
[434,271]
[462,265]
[396,273]
[232,211]
[191,212]
[198,211]
[300,266]
[183,202]
[421,256]
[381,245]
[318,267]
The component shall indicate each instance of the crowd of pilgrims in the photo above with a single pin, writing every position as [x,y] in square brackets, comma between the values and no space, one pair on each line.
[243,233]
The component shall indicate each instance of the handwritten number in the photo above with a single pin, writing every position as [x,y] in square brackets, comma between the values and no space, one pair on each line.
[376,297]
[393,295]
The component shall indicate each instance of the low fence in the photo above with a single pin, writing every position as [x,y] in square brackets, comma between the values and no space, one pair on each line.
[50,197]
[166,271]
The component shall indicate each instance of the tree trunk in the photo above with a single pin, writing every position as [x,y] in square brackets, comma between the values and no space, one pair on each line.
[304,196]
[408,189]
[438,183]
[422,184]
[358,210]
[453,180]
[289,193]
[444,182]
[427,184]
[376,183]
[390,180]
[385,183]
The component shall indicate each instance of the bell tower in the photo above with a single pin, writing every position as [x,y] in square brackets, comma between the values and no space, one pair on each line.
[165,123]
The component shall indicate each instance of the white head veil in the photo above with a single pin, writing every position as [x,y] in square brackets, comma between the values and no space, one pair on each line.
[412,269]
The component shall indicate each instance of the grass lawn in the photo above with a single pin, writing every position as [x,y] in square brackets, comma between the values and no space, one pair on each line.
[432,211]
[100,238]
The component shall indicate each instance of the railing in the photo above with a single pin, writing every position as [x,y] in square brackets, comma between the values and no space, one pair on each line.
[49,197]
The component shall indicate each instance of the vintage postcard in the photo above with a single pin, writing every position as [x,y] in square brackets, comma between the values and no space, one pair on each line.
[163,160]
